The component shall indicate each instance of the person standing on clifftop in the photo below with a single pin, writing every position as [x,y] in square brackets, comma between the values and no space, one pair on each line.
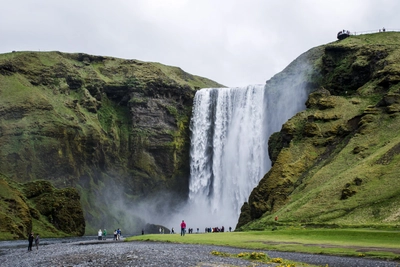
[183,228]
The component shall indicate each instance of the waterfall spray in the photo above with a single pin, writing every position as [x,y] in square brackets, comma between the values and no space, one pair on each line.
[229,148]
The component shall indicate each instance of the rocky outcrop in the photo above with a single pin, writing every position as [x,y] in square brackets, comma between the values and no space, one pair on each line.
[328,161]
[61,207]
[115,129]
[38,206]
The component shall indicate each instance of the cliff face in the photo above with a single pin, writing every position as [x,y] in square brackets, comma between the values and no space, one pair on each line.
[106,126]
[335,163]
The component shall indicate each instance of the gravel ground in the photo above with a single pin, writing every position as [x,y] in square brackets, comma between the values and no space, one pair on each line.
[110,253]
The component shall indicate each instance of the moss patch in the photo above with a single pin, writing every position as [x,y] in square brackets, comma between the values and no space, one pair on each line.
[39,207]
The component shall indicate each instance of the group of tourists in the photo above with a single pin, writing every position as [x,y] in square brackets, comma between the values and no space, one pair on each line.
[206,230]
[190,230]
[217,229]
[343,34]
[117,234]
[32,238]
[102,235]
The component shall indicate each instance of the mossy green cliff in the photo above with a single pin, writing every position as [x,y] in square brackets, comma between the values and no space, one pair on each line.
[337,162]
[112,128]
[40,207]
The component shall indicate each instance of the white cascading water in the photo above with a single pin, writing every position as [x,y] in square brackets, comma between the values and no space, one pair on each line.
[229,149]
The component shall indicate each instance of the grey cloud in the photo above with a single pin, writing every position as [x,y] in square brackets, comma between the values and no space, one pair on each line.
[232,42]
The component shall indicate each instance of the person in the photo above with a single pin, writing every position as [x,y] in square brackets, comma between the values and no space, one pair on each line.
[160,230]
[115,235]
[383,29]
[183,228]
[30,241]
[119,234]
[100,234]
[172,230]
[37,240]
[230,229]
[275,227]
[142,231]
[104,234]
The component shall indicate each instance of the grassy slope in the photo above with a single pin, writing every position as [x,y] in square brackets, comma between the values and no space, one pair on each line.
[343,242]
[110,70]
[376,200]
[16,211]
[320,171]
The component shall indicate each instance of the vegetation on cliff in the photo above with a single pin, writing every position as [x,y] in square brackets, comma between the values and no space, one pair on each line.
[40,207]
[336,163]
[117,130]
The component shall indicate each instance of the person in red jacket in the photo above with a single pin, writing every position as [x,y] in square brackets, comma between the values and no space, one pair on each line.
[183,228]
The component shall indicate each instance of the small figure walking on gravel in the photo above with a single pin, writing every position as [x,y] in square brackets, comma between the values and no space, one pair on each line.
[37,241]
[183,228]
[104,234]
[119,233]
[100,235]
[30,241]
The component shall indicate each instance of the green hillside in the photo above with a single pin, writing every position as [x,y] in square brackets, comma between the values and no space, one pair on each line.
[337,162]
[38,206]
[116,130]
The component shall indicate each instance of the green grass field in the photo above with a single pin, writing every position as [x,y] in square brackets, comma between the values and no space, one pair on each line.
[342,242]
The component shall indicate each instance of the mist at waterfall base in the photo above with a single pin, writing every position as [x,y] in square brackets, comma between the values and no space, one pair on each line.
[230,129]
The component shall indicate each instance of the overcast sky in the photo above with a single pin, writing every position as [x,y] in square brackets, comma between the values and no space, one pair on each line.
[233,42]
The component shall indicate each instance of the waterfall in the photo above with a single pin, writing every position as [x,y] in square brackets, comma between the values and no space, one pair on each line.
[229,148]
